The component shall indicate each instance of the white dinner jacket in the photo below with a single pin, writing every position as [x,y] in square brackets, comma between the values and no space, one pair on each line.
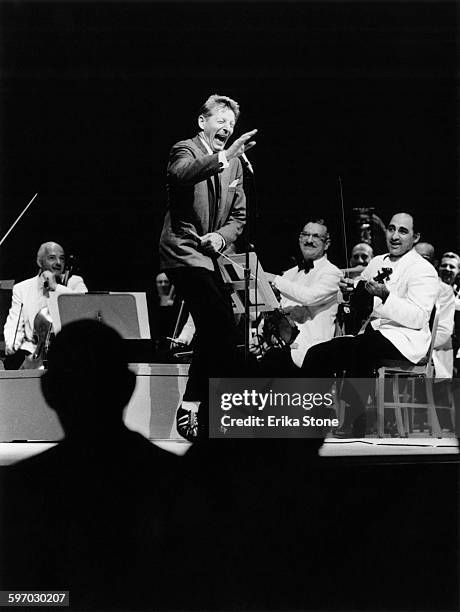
[311,301]
[443,354]
[404,318]
[31,296]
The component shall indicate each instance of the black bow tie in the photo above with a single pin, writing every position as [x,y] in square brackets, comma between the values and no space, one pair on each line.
[306,265]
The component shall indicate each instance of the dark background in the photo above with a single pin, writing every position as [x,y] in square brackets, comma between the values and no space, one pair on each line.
[93,95]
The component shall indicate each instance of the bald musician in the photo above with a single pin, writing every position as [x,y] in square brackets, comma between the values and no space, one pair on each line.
[361,254]
[30,296]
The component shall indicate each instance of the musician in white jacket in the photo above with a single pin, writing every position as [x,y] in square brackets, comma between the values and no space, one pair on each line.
[32,295]
[398,326]
[309,293]
[443,355]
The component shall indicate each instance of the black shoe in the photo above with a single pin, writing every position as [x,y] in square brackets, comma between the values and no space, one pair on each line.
[187,424]
[348,432]
[342,432]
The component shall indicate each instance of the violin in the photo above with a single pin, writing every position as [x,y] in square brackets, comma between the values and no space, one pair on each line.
[352,315]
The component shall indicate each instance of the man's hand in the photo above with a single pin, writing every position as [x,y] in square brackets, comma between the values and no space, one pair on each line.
[182,340]
[298,313]
[256,346]
[346,286]
[241,145]
[9,350]
[49,280]
[211,243]
[377,289]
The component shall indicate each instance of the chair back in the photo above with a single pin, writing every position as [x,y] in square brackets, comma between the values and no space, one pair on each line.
[434,328]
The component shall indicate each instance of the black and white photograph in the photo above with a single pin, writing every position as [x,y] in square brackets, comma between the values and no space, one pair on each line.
[229,305]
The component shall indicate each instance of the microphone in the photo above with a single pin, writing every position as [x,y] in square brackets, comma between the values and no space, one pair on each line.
[247,163]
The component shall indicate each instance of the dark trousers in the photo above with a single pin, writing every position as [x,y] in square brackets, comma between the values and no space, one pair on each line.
[210,305]
[277,363]
[357,357]
[14,362]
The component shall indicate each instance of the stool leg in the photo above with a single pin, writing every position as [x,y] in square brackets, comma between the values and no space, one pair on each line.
[396,400]
[450,399]
[433,421]
[380,395]
[407,416]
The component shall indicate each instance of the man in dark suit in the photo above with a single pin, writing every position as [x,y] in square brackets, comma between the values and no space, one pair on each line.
[206,213]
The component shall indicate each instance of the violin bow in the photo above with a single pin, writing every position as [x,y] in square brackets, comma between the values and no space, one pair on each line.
[343,225]
[14,224]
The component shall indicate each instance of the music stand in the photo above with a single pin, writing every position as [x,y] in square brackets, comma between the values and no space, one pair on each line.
[261,297]
[6,286]
[125,312]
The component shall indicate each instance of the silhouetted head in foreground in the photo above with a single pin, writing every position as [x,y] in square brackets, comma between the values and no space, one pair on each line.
[88,382]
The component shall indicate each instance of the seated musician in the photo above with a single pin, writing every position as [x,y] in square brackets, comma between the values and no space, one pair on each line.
[398,326]
[309,294]
[346,322]
[163,311]
[449,271]
[443,356]
[361,254]
[32,295]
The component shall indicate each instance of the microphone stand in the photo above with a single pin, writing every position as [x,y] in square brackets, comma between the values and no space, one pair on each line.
[249,246]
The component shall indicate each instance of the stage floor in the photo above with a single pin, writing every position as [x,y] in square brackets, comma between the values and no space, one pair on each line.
[416,446]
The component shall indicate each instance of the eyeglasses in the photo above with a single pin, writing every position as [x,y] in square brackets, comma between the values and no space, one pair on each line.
[314,237]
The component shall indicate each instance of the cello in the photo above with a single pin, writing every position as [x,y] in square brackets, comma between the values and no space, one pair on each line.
[43,327]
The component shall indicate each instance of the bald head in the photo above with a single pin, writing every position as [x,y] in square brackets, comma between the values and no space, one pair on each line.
[361,254]
[50,256]
[426,250]
[401,235]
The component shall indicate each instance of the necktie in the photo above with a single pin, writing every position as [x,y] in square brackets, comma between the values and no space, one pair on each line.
[216,180]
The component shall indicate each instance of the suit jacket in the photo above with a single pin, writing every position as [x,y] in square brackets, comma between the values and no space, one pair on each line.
[311,300]
[404,317]
[30,294]
[192,204]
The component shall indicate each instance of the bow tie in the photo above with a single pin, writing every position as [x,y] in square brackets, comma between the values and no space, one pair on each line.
[306,265]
